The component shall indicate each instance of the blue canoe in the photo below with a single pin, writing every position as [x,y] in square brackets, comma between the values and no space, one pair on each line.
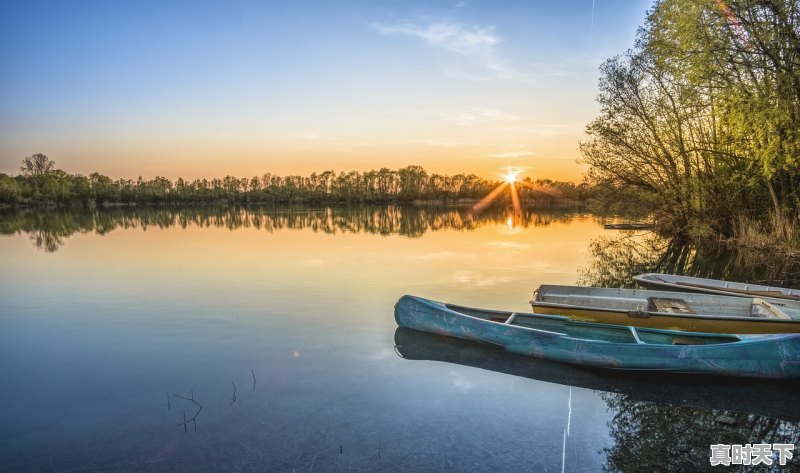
[558,338]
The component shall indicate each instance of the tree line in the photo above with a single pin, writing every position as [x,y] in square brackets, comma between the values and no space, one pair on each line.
[700,120]
[40,183]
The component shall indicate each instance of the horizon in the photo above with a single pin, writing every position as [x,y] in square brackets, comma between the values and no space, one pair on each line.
[204,90]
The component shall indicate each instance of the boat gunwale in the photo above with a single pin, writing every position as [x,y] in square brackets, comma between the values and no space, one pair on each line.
[653,278]
[737,338]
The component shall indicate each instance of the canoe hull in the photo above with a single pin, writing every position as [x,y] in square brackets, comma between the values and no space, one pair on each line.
[762,356]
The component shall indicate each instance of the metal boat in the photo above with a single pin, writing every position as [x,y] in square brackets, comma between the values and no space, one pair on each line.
[692,312]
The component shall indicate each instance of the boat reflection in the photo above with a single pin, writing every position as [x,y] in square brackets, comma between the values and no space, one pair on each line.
[771,398]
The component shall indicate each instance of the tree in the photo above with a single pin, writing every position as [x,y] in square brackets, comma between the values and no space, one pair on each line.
[702,117]
[10,191]
[36,166]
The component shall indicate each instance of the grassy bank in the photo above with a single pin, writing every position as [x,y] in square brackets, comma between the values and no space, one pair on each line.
[778,234]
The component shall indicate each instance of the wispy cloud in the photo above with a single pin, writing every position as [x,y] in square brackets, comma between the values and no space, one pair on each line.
[313,135]
[479,116]
[312,262]
[308,135]
[512,154]
[437,255]
[471,279]
[468,40]
[475,42]
[552,130]
[508,244]
[436,142]
[460,381]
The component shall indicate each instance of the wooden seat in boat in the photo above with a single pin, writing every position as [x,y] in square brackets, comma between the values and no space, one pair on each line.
[674,306]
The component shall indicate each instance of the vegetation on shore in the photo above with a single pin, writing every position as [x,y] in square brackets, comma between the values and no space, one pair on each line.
[41,184]
[700,122]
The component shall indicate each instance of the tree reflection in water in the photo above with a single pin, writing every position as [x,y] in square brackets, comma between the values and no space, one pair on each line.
[663,437]
[48,228]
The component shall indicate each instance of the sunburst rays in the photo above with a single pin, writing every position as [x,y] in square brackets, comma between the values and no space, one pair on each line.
[510,180]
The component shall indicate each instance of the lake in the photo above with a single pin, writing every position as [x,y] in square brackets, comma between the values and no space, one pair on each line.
[263,339]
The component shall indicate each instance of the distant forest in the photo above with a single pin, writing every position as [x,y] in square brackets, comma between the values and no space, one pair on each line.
[39,183]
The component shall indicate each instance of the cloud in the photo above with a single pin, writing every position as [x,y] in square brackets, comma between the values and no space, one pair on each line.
[467,40]
[552,130]
[312,262]
[512,154]
[477,116]
[508,244]
[437,255]
[474,42]
[436,142]
[471,279]
[460,381]
[308,135]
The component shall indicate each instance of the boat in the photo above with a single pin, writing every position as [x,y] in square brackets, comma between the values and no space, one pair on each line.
[777,295]
[691,312]
[773,398]
[558,338]
[628,226]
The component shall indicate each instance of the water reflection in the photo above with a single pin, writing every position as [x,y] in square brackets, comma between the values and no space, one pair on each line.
[658,437]
[762,398]
[658,422]
[48,228]
[615,260]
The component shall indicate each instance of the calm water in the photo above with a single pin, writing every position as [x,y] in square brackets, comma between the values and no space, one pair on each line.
[279,325]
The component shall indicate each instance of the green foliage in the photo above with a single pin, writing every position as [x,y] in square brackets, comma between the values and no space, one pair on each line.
[703,114]
[10,190]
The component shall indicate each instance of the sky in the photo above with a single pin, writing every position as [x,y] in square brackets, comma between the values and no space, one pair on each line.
[202,89]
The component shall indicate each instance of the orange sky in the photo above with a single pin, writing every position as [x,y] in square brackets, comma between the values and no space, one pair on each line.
[207,89]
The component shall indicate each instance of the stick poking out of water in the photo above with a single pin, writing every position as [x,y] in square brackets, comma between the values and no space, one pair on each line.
[254,379]
[194,418]
[233,398]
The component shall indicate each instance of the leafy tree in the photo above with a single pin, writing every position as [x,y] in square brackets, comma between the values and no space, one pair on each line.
[10,190]
[702,116]
[36,166]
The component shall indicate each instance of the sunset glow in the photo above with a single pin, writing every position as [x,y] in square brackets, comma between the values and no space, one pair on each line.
[206,89]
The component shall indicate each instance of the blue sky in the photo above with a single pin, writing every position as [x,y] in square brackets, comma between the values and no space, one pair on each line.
[201,89]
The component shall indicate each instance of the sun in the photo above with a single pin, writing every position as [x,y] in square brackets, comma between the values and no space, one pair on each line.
[511,177]
[510,181]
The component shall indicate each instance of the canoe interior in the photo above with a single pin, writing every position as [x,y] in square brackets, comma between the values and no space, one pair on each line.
[665,302]
[594,331]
